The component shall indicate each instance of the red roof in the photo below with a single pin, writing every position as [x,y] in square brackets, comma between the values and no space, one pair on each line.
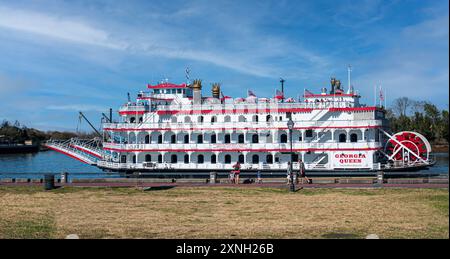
[329,95]
[166,85]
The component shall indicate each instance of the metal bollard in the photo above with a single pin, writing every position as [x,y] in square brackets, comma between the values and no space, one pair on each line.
[64,177]
[212,177]
[380,177]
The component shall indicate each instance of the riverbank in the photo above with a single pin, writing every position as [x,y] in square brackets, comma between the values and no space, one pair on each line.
[440,148]
[223,212]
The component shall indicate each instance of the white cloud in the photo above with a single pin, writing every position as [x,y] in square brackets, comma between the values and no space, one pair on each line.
[251,54]
[55,27]
[77,107]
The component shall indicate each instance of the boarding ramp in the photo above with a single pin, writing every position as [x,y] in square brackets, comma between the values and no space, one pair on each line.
[86,151]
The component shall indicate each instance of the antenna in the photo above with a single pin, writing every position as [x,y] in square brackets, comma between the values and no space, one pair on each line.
[188,80]
[349,70]
[282,88]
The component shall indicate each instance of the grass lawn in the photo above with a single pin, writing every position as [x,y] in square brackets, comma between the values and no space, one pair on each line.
[215,212]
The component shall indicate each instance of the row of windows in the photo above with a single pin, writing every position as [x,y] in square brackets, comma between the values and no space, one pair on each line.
[241,118]
[201,159]
[241,139]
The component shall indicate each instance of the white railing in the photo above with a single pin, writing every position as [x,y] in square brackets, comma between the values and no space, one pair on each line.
[227,147]
[206,166]
[239,125]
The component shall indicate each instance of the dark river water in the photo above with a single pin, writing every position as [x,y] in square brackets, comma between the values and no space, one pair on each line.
[35,165]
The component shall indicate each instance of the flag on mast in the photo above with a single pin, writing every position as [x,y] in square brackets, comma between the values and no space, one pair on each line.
[308,92]
[279,95]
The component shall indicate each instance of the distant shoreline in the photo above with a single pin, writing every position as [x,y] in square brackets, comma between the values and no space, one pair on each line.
[439,148]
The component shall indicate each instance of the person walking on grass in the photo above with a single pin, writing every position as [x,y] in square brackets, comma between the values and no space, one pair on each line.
[289,172]
[258,177]
[236,171]
[301,170]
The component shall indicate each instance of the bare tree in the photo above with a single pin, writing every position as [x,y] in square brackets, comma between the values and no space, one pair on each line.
[417,106]
[401,105]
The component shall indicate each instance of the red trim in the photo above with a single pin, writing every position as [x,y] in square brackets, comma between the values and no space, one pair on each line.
[246,128]
[86,151]
[166,85]
[329,95]
[371,108]
[131,112]
[239,150]
[234,111]
[154,98]
[67,154]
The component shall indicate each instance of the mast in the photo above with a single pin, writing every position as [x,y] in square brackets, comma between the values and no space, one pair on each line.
[282,89]
[90,124]
[349,71]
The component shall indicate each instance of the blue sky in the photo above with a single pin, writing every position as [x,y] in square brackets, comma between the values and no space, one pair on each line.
[59,57]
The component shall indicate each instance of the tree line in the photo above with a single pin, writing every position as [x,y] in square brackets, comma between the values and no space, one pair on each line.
[419,116]
[17,133]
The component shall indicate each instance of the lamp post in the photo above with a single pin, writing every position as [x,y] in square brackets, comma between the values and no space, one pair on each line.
[290,125]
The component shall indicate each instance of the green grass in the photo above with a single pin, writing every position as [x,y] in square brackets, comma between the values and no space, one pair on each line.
[223,212]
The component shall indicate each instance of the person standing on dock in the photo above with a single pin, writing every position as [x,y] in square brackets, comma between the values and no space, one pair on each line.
[237,171]
[301,170]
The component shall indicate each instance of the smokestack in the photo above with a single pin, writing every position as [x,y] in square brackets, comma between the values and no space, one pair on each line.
[216,90]
[333,84]
[197,91]
[110,115]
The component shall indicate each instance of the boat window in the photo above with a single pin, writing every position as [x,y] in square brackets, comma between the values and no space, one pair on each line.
[173,159]
[140,119]
[255,159]
[255,118]
[213,119]
[160,158]
[227,159]
[148,158]
[241,118]
[241,159]
[268,118]
[147,139]
[200,159]
[123,159]
[227,138]
[134,159]
[186,139]
[174,119]
[255,138]
[283,138]
[132,120]
[241,138]
[213,138]
[213,159]
[354,137]
[186,159]
[156,91]
[160,139]
[178,91]
[309,133]
[187,119]
[342,137]
[173,139]
[227,119]
[269,159]
[200,119]
[200,139]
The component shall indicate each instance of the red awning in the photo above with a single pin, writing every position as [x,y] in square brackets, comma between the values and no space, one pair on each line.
[166,85]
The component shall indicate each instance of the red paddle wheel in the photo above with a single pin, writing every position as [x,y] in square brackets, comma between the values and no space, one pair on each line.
[408,146]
